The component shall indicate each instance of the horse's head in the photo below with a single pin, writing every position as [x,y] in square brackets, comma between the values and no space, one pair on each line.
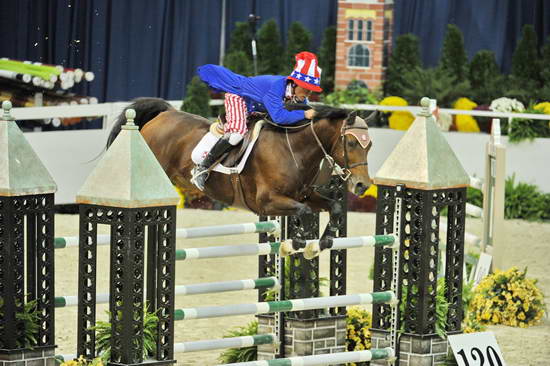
[353,151]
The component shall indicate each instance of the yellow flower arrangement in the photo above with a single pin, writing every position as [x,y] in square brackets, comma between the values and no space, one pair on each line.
[508,298]
[465,123]
[358,323]
[544,107]
[398,120]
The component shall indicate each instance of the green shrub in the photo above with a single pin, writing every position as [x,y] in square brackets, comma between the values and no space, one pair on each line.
[525,201]
[522,200]
[485,78]
[103,336]
[327,59]
[197,98]
[405,56]
[238,62]
[241,39]
[270,49]
[434,83]
[525,78]
[521,129]
[453,55]
[30,320]
[244,354]
[298,40]
[354,95]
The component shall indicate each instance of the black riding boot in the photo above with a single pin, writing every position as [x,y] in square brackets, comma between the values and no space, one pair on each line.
[201,171]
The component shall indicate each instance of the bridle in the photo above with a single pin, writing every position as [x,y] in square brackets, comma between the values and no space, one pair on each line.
[362,136]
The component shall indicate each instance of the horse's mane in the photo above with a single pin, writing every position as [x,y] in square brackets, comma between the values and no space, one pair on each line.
[323,111]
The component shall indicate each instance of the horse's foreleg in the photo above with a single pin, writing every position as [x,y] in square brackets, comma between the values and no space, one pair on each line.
[273,204]
[331,230]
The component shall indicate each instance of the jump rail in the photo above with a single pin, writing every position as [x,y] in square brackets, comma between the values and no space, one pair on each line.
[195,289]
[276,247]
[385,297]
[189,233]
[326,359]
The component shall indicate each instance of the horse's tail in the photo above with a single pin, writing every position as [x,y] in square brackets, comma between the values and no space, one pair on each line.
[146,109]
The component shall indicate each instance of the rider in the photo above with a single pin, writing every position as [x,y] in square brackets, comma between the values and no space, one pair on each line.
[264,93]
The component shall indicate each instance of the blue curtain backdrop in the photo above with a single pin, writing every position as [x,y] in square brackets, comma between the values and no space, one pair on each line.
[486,24]
[152,48]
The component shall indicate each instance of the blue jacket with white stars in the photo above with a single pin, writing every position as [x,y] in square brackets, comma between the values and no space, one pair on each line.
[263,93]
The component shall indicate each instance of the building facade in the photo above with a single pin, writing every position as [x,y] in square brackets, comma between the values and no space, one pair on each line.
[363,41]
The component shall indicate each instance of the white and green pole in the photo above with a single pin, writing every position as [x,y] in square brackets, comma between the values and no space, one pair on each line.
[194,289]
[386,297]
[325,359]
[188,233]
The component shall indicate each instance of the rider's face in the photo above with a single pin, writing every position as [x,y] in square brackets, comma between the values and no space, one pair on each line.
[301,93]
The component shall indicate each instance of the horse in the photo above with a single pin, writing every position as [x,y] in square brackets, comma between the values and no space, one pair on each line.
[280,174]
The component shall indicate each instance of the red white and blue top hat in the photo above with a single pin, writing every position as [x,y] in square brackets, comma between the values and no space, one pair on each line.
[307,73]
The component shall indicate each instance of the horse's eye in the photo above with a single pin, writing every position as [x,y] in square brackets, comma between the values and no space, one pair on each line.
[351,143]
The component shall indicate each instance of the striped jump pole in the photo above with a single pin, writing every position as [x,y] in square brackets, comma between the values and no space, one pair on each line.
[189,233]
[282,248]
[313,249]
[195,289]
[326,359]
[235,342]
[207,345]
[386,297]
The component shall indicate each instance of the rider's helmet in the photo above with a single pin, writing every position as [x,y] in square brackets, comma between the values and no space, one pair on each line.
[307,73]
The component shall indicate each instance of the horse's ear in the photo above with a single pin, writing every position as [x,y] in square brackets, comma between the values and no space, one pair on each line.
[372,117]
[351,118]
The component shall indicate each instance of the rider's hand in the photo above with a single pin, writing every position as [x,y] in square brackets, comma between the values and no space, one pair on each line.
[310,113]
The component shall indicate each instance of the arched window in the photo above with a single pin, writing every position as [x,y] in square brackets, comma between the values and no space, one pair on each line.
[359,56]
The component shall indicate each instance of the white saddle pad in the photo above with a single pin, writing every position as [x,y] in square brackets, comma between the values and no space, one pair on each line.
[205,144]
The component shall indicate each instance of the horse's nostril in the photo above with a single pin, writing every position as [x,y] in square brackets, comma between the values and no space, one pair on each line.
[360,188]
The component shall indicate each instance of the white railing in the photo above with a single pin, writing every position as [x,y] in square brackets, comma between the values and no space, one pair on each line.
[415,110]
[107,111]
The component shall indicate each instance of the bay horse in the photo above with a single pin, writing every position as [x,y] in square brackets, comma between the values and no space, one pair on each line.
[279,176]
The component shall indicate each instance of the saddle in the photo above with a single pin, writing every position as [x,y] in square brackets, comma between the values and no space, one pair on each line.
[233,162]
[232,158]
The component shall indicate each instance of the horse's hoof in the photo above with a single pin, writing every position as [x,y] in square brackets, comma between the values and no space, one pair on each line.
[286,248]
[304,210]
[312,250]
[298,244]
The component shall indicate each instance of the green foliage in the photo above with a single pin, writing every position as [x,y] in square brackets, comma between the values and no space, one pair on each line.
[441,306]
[453,55]
[525,201]
[299,39]
[234,355]
[475,196]
[103,336]
[30,319]
[521,129]
[485,78]
[270,49]
[544,91]
[354,95]
[197,98]
[525,60]
[239,62]
[434,83]
[241,40]
[522,200]
[327,59]
[405,56]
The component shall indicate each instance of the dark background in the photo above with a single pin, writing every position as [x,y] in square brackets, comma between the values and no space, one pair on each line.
[152,48]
